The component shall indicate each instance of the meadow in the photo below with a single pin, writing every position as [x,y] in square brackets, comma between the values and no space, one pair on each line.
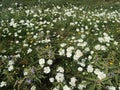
[60,45]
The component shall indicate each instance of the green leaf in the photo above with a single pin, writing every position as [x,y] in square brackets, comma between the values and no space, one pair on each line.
[116,79]
[91,87]
[99,87]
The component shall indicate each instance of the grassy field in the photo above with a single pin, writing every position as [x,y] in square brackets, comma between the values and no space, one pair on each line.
[59,45]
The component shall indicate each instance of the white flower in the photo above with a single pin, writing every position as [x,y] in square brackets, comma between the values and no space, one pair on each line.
[86,27]
[115,43]
[61,52]
[111,88]
[69,53]
[35,36]
[89,57]
[51,80]
[81,86]
[70,48]
[100,39]
[2,84]
[33,87]
[97,47]
[90,68]
[0,5]
[59,77]
[72,39]
[63,44]
[77,55]
[60,69]
[80,40]
[107,39]
[27,12]
[25,73]
[68,14]
[15,34]
[17,42]
[87,49]
[92,52]
[49,62]
[10,68]
[119,88]
[77,29]
[47,70]
[83,44]
[55,88]
[25,45]
[73,81]
[42,62]
[97,71]
[103,48]
[66,88]
[12,23]
[11,62]
[82,64]
[29,50]
[17,55]
[80,69]
[101,75]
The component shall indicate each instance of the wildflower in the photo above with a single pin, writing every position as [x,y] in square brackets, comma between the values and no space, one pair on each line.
[63,44]
[2,84]
[81,86]
[69,54]
[111,88]
[119,88]
[11,62]
[0,5]
[42,62]
[73,81]
[46,70]
[66,88]
[25,73]
[25,45]
[61,52]
[96,71]
[56,88]
[77,55]
[115,43]
[101,75]
[89,57]
[12,23]
[59,77]
[17,42]
[33,87]
[80,69]
[49,62]
[60,69]
[87,49]
[29,50]
[97,47]
[10,68]
[111,62]
[70,48]
[51,80]
[100,39]
[103,48]
[90,68]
